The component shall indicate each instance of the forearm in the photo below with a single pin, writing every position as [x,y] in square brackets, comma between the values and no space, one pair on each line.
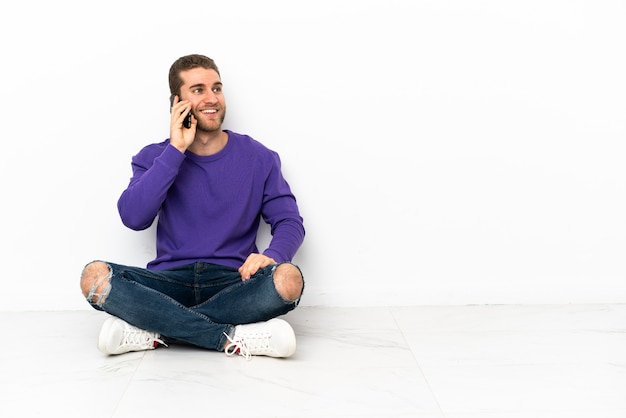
[140,203]
[287,237]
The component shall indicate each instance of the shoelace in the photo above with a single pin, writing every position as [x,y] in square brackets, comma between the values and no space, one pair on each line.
[140,338]
[238,346]
[245,346]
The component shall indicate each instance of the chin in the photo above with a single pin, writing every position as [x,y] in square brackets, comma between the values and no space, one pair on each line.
[210,127]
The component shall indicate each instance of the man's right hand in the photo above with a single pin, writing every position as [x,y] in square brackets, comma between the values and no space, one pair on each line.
[180,137]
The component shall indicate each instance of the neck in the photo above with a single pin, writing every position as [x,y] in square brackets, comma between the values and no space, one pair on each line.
[208,143]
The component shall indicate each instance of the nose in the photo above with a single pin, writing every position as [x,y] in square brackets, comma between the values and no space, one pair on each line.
[210,97]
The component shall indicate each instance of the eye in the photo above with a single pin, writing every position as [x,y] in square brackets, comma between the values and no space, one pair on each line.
[217,89]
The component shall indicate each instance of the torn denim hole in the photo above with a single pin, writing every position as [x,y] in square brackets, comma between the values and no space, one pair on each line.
[100,297]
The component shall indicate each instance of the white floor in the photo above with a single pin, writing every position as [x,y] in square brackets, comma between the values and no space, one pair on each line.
[453,362]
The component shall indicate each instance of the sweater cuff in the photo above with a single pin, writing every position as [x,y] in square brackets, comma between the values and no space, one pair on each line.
[171,156]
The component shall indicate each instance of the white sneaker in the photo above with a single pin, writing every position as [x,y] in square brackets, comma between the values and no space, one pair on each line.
[118,337]
[274,338]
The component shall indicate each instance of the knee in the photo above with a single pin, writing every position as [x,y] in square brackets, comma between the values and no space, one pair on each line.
[95,280]
[288,281]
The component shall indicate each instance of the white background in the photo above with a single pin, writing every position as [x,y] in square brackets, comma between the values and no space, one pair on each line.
[442,152]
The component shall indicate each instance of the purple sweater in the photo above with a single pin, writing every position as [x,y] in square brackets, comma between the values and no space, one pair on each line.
[209,208]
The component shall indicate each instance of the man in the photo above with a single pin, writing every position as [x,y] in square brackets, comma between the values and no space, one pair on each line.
[208,187]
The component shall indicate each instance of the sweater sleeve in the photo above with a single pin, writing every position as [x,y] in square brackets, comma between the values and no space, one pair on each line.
[280,211]
[154,170]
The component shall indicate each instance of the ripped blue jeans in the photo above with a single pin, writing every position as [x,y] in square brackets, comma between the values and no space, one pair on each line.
[196,304]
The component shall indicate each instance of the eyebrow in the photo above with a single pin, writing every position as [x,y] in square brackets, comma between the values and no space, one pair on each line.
[217,83]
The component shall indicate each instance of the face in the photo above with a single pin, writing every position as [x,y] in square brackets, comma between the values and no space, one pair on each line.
[203,88]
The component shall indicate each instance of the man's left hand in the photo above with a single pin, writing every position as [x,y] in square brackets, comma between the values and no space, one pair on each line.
[253,263]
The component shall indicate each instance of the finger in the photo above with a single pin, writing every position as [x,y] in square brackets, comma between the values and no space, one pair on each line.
[177,120]
[243,271]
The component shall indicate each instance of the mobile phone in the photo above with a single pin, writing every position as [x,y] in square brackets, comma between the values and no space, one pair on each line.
[187,121]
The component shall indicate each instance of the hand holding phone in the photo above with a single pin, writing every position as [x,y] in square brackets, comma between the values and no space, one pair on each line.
[187,121]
